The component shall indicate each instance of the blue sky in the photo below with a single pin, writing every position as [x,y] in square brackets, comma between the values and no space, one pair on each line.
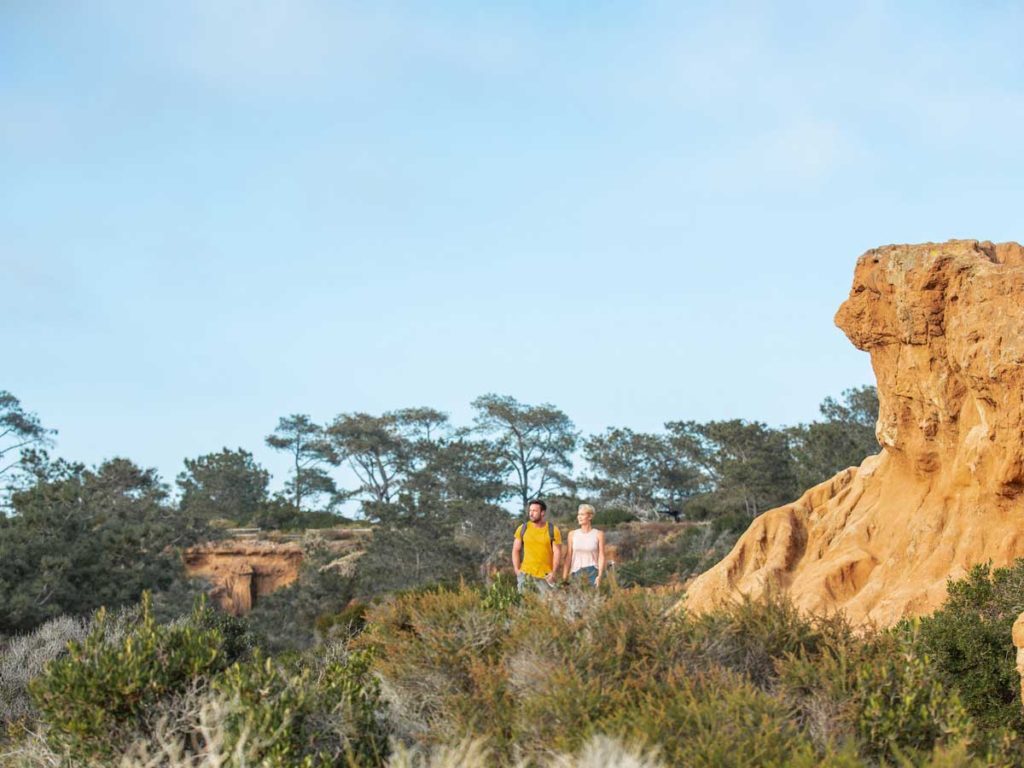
[213,214]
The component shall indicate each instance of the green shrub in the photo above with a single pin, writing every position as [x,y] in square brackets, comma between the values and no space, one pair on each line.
[347,622]
[612,517]
[439,654]
[648,571]
[553,676]
[661,553]
[882,692]
[752,636]
[903,707]
[279,718]
[716,718]
[95,699]
[970,644]
[501,594]
[289,618]
[730,522]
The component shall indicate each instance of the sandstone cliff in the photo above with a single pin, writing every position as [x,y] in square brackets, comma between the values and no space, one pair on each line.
[944,324]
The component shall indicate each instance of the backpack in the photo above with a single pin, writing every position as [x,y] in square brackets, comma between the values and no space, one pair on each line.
[521,535]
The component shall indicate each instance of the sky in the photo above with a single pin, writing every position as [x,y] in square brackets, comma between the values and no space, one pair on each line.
[217,213]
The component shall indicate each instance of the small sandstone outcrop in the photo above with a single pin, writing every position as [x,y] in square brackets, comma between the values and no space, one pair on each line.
[944,325]
[247,565]
[240,572]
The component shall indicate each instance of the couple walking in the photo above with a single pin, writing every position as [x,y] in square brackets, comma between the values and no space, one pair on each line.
[537,550]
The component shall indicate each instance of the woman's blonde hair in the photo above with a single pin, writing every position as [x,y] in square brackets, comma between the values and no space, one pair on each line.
[586,509]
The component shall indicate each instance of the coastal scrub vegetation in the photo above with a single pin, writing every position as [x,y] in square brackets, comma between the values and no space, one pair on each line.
[420,652]
[481,676]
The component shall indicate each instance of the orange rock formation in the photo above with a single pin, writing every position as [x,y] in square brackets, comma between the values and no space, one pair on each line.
[242,571]
[944,324]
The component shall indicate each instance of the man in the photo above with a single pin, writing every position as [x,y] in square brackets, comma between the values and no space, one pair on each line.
[536,550]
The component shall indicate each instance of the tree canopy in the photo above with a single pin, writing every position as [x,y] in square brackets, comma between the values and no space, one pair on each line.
[84,538]
[535,441]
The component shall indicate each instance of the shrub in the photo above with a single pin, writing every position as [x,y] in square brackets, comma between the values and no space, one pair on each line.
[95,698]
[969,641]
[730,522]
[598,752]
[882,692]
[648,571]
[24,658]
[501,594]
[347,622]
[715,718]
[308,717]
[438,653]
[904,708]
[611,517]
[750,637]
[661,553]
[517,676]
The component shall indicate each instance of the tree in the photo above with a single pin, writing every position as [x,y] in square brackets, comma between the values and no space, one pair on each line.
[228,484]
[81,538]
[748,463]
[410,463]
[299,436]
[844,439]
[20,433]
[376,450]
[536,443]
[639,471]
[460,470]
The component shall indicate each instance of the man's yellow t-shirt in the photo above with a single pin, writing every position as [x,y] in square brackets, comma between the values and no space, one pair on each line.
[537,549]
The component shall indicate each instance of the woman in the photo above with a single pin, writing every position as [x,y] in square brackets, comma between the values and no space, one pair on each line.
[586,549]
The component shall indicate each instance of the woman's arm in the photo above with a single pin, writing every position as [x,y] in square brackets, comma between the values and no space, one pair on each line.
[568,558]
[600,558]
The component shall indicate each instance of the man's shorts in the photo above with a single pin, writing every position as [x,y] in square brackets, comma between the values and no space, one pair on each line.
[527,583]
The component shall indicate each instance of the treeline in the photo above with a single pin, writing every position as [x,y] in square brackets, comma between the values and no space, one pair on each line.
[75,538]
[413,460]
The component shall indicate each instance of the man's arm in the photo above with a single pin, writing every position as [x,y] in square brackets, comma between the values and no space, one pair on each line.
[517,554]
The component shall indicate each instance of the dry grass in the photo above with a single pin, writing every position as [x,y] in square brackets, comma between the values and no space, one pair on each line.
[598,752]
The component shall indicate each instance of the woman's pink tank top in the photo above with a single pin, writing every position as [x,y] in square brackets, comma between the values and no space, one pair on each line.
[584,549]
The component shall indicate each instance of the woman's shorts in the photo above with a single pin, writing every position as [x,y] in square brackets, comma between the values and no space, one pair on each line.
[588,571]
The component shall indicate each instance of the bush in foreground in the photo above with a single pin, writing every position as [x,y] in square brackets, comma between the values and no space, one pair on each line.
[969,640]
[525,680]
[100,695]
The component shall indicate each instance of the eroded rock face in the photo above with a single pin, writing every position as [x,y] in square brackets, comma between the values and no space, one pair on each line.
[240,572]
[944,324]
